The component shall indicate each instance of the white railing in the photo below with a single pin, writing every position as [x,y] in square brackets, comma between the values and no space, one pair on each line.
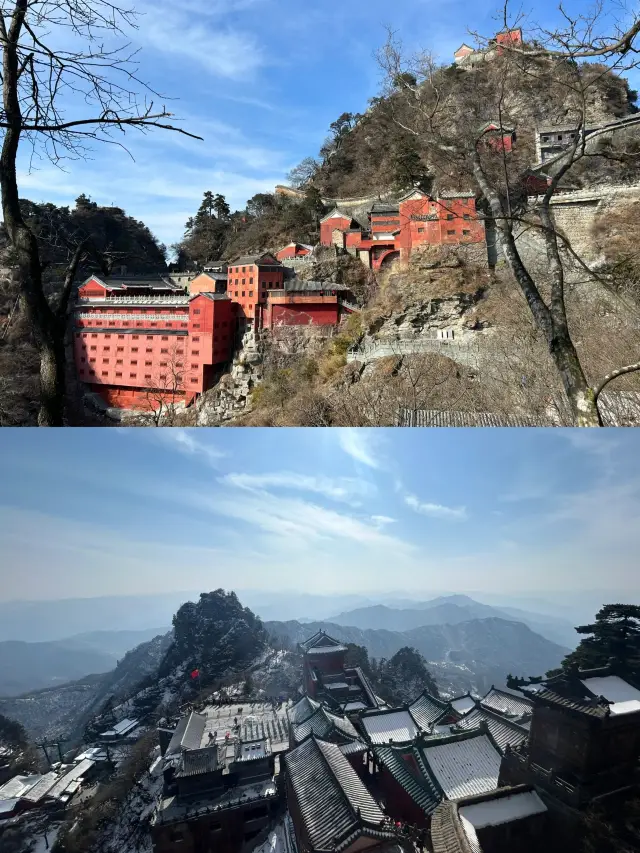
[139,317]
[180,299]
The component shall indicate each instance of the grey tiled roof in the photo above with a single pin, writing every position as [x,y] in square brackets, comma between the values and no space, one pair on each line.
[333,801]
[581,706]
[385,207]
[254,259]
[195,762]
[320,641]
[326,726]
[353,747]
[188,734]
[404,764]
[447,833]
[502,730]
[507,703]
[302,710]
[463,764]
[426,710]
[214,297]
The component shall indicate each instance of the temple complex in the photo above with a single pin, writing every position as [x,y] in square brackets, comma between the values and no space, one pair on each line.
[394,230]
[511,770]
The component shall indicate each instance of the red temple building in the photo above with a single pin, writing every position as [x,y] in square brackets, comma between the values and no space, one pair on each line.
[418,219]
[306,303]
[250,278]
[293,251]
[138,339]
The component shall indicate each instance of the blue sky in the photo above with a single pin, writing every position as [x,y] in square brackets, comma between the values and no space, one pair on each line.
[260,80]
[100,512]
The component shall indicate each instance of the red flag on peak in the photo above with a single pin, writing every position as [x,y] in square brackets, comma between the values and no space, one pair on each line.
[195,673]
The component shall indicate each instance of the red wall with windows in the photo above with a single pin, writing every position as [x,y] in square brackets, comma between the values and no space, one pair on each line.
[122,350]
[258,280]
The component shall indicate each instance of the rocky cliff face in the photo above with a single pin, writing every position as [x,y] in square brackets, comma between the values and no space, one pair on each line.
[232,395]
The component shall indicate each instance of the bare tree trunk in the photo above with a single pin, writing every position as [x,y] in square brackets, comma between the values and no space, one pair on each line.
[552,322]
[39,315]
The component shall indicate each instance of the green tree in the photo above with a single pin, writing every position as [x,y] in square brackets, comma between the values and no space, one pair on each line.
[615,635]
[222,209]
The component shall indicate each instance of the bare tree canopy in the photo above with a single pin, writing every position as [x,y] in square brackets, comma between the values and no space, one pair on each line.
[69,78]
[465,129]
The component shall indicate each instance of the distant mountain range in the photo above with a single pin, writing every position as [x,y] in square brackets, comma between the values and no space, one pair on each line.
[32,666]
[452,610]
[476,652]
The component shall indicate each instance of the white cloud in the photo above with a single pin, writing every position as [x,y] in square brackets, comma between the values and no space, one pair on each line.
[382,520]
[184,441]
[341,489]
[435,510]
[360,445]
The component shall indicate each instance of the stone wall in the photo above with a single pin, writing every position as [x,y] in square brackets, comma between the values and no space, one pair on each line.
[575,214]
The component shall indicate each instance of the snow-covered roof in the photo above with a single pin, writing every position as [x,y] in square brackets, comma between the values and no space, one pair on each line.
[464,766]
[41,788]
[7,806]
[506,701]
[18,786]
[492,812]
[426,710]
[503,730]
[66,783]
[622,697]
[188,733]
[463,704]
[354,706]
[397,726]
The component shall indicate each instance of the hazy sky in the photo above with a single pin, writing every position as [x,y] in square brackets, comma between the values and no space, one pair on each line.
[260,80]
[99,512]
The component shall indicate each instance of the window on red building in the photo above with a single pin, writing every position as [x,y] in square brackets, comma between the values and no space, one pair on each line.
[118,374]
[164,350]
[450,233]
[132,375]
[105,361]
[194,379]
[153,324]
[466,232]
[196,325]
[149,337]
[466,216]
[450,216]
[243,292]
[105,373]
[193,352]
[121,337]
[107,336]
[165,337]
[94,336]
[119,361]
[251,294]
[148,363]
[134,349]
[196,339]
[147,376]
[163,364]
[134,361]
[94,348]
[244,269]
[194,367]
[196,310]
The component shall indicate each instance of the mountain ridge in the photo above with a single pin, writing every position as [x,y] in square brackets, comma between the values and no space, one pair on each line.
[453,610]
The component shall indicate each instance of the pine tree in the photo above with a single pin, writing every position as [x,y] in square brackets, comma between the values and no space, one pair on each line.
[615,635]
[221,207]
